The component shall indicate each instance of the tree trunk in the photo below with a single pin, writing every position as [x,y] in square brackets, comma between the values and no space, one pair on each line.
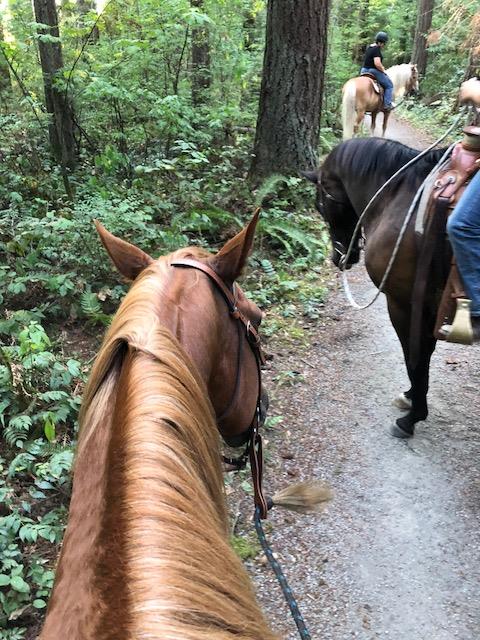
[424,22]
[57,102]
[473,66]
[363,34]
[288,123]
[84,7]
[5,80]
[201,71]
[473,43]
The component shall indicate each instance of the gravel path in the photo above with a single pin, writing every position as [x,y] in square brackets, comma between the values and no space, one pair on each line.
[397,554]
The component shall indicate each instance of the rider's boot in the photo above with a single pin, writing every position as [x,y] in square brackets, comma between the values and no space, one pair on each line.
[465,328]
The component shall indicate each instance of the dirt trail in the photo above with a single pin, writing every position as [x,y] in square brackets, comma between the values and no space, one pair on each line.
[397,554]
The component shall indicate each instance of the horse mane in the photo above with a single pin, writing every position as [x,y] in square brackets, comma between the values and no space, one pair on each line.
[364,157]
[399,74]
[164,567]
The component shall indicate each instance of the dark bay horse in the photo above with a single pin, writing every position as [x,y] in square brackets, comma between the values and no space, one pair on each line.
[348,178]
[146,552]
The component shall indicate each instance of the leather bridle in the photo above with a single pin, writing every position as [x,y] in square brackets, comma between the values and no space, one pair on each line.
[251,436]
[338,247]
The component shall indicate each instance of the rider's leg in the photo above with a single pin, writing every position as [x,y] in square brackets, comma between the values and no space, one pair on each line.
[387,85]
[464,231]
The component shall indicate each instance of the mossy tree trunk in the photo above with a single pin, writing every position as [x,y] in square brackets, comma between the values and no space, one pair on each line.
[288,121]
[424,22]
[61,128]
[5,80]
[201,70]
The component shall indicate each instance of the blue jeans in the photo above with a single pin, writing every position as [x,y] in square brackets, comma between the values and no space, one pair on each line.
[464,232]
[385,81]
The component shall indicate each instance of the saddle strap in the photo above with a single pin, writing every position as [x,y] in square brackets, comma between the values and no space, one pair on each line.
[256,466]
[454,289]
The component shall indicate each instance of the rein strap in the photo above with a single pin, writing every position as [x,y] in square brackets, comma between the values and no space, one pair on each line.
[255,450]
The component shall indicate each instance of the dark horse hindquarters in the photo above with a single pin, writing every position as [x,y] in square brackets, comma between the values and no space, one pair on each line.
[349,177]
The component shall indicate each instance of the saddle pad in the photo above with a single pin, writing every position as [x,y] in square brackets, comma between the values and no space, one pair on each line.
[427,188]
[375,84]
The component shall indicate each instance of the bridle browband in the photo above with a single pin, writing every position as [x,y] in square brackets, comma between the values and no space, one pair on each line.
[252,435]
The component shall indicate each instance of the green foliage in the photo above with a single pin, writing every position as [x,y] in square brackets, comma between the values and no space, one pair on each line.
[35,383]
[161,172]
[245,547]
[27,524]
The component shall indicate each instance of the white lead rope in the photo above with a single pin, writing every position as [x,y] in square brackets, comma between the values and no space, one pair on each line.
[410,211]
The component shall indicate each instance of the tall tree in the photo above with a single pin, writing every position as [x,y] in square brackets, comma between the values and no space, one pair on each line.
[5,80]
[201,71]
[362,31]
[84,8]
[473,44]
[424,22]
[58,104]
[288,121]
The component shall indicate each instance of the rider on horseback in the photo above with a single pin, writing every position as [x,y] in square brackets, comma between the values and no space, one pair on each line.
[464,226]
[372,64]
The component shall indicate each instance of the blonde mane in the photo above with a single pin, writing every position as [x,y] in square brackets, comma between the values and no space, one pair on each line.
[400,75]
[157,561]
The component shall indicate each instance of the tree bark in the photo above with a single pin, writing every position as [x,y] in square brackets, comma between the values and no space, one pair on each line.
[5,80]
[201,71]
[58,104]
[288,123]
[84,7]
[473,66]
[424,22]
[363,34]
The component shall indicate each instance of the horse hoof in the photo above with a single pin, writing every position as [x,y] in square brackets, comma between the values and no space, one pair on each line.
[398,432]
[402,402]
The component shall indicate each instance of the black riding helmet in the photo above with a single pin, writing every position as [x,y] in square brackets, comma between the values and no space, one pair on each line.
[381,37]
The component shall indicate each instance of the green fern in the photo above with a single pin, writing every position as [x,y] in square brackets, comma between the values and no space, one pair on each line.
[289,235]
[267,266]
[17,430]
[92,309]
[268,187]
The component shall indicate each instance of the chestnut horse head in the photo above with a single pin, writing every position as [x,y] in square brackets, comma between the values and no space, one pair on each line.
[191,305]
[146,551]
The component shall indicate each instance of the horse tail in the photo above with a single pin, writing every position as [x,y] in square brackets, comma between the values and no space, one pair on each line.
[348,109]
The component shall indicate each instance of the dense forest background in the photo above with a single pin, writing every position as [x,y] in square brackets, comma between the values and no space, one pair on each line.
[159,118]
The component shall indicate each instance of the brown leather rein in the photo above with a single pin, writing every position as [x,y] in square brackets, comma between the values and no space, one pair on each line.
[252,435]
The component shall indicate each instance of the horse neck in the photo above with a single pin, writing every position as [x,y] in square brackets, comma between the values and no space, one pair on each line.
[399,75]
[146,550]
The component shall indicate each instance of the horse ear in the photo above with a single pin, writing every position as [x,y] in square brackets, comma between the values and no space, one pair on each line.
[129,259]
[229,262]
[313,176]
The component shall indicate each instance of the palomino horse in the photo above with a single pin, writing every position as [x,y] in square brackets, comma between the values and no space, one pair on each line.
[360,97]
[349,177]
[146,552]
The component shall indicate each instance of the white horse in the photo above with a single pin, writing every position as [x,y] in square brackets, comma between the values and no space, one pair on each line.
[360,97]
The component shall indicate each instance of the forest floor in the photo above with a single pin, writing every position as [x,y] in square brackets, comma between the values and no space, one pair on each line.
[397,553]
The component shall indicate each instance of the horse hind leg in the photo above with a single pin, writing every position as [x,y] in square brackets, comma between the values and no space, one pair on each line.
[360,117]
[386,115]
[373,122]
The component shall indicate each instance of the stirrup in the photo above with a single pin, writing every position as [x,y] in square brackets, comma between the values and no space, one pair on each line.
[461,330]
